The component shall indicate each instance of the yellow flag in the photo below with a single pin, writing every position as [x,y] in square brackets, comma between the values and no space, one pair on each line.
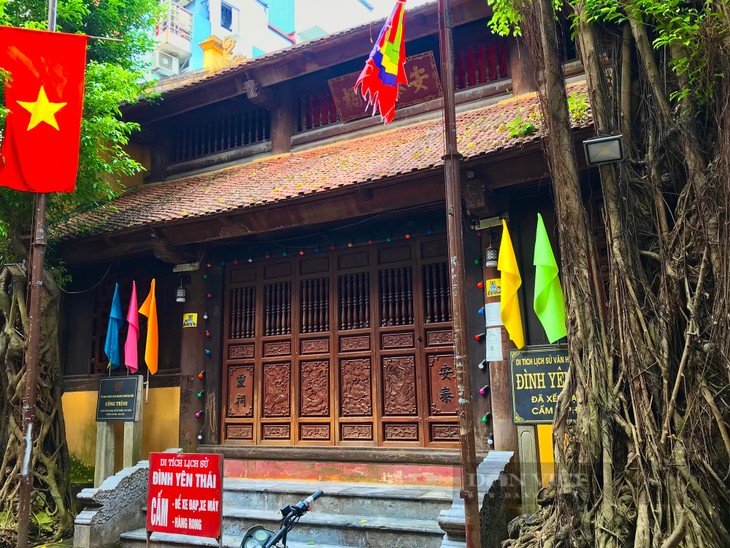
[149,309]
[509,306]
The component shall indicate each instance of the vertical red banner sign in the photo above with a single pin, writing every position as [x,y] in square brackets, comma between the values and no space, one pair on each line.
[185,494]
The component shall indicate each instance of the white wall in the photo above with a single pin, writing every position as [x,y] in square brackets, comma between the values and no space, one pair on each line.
[337,15]
[252,29]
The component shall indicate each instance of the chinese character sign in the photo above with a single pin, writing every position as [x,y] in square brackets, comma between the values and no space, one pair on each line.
[185,494]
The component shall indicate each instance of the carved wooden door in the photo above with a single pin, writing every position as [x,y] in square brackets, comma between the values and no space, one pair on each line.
[346,348]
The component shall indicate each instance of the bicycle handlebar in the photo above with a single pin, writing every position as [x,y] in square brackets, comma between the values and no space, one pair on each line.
[291,516]
[303,505]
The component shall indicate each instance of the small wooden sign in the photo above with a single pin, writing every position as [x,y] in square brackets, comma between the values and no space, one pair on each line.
[117,400]
[537,376]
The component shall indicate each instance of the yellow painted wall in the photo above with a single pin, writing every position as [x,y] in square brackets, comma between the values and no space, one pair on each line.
[160,424]
[545,452]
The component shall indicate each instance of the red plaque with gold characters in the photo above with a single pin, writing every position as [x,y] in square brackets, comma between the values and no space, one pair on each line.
[424,84]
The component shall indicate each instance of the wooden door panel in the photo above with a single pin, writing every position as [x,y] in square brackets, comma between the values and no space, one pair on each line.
[356,387]
[314,388]
[277,390]
[399,386]
[443,389]
[240,391]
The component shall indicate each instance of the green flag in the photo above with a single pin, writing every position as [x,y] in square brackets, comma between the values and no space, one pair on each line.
[548,302]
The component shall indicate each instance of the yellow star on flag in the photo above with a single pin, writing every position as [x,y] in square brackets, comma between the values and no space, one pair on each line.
[42,110]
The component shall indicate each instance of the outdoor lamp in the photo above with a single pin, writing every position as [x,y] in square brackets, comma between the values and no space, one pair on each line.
[17,270]
[180,294]
[604,150]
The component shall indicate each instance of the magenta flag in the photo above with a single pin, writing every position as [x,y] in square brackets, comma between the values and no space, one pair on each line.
[130,345]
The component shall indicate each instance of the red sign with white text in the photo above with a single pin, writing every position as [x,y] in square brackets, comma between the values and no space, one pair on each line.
[185,494]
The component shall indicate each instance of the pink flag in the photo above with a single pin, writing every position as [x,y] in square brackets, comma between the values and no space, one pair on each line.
[130,345]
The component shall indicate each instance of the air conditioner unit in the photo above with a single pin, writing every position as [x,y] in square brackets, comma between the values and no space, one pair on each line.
[166,64]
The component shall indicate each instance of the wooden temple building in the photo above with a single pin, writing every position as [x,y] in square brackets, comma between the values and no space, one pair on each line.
[311,244]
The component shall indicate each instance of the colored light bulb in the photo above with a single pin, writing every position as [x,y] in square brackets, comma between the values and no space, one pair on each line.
[490,440]
[484,390]
[207,352]
[200,394]
[200,437]
[408,235]
[487,418]
[198,414]
[483,364]
[301,252]
[480,285]
[479,337]
[201,374]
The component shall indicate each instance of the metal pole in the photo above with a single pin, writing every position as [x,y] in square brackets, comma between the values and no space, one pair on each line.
[32,353]
[469,491]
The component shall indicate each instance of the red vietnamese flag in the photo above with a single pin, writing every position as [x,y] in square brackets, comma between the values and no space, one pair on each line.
[40,147]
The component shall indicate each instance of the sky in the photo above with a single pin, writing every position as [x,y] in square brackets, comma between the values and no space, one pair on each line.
[336,15]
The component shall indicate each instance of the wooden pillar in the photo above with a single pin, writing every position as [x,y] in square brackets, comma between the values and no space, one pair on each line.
[213,380]
[192,359]
[480,375]
[283,124]
[160,152]
[521,68]
[505,433]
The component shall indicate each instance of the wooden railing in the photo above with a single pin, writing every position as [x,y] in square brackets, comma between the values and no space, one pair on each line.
[315,305]
[396,296]
[436,293]
[243,308]
[221,134]
[354,297]
[479,64]
[277,311]
[316,110]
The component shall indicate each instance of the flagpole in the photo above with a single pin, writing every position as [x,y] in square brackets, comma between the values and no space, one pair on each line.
[469,490]
[32,354]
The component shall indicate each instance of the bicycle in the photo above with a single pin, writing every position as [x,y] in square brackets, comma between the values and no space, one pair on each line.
[260,537]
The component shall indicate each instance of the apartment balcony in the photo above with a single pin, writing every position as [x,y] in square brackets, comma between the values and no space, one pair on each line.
[174,31]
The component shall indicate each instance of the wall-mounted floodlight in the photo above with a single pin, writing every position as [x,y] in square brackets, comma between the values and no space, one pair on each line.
[604,150]
[17,270]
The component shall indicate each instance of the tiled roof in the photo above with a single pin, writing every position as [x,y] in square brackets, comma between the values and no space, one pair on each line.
[387,153]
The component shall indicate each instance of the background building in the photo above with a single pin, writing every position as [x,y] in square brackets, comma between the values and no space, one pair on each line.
[258,26]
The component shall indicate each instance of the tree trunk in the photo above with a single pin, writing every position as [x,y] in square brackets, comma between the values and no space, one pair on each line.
[645,462]
[52,511]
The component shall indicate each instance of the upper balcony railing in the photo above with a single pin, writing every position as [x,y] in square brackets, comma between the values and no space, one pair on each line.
[476,65]
[174,31]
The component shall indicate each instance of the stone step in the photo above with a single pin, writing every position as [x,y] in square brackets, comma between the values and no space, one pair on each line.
[360,499]
[138,539]
[342,529]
